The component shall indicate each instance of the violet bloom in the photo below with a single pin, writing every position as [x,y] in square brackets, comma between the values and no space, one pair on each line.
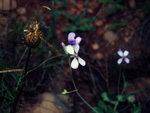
[77,60]
[123,56]
[72,40]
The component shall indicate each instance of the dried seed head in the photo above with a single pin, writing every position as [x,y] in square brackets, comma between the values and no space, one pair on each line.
[32,35]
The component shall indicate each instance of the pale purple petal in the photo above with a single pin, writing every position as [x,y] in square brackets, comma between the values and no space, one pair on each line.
[71,36]
[126,53]
[78,40]
[81,61]
[74,63]
[120,60]
[62,44]
[76,48]
[120,53]
[70,50]
[127,60]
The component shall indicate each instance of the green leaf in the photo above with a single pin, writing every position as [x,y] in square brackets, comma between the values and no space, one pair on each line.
[102,105]
[64,92]
[98,110]
[122,98]
[136,109]
[85,27]
[122,24]
[105,97]
[111,10]
[119,7]
[106,2]
[7,90]
[66,14]
[64,3]
[126,84]
[109,109]
[86,2]
[71,28]
[113,27]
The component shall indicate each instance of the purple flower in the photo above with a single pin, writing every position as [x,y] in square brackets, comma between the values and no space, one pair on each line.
[72,40]
[123,56]
[77,60]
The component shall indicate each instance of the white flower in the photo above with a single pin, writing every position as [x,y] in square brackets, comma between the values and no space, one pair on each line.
[123,56]
[73,50]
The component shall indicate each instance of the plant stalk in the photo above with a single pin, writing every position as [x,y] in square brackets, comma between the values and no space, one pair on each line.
[14,106]
[76,90]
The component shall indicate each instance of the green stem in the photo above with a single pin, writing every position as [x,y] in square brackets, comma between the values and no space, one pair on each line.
[14,106]
[119,81]
[78,92]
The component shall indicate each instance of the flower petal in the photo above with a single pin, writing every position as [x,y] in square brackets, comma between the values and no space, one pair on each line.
[74,63]
[119,60]
[70,50]
[71,36]
[62,44]
[126,53]
[81,61]
[76,48]
[78,40]
[127,60]
[120,53]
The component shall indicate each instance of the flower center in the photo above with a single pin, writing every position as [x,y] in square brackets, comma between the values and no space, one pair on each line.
[76,55]
[72,42]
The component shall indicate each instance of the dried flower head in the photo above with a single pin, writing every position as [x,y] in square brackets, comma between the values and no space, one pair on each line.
[32,35]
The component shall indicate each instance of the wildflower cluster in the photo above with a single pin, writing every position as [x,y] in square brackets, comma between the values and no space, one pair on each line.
[73,49]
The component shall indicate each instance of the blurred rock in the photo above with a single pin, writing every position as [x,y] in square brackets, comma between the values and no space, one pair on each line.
[23,18]
[90,11]
[98,22]
[132,4]
[48,103]
[99,56]
[100,31]
[21,11]
[5,5]
[95,46]
[110,36]
[3,21]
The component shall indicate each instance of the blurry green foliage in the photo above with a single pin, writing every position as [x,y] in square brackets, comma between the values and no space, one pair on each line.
[146,8]
[107,105]
[80,23]
[119,24]
[116,5]
[62,3]
[86,2]
[114,103]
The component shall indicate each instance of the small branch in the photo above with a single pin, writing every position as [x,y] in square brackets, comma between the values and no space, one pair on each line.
[50,45]
[44,62]
[11,70]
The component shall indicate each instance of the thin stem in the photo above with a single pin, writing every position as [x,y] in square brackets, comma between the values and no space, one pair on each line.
[14,106]
[107,79]
[44,62]
[11,70]
[119,80]
[76,90]
[50,45]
